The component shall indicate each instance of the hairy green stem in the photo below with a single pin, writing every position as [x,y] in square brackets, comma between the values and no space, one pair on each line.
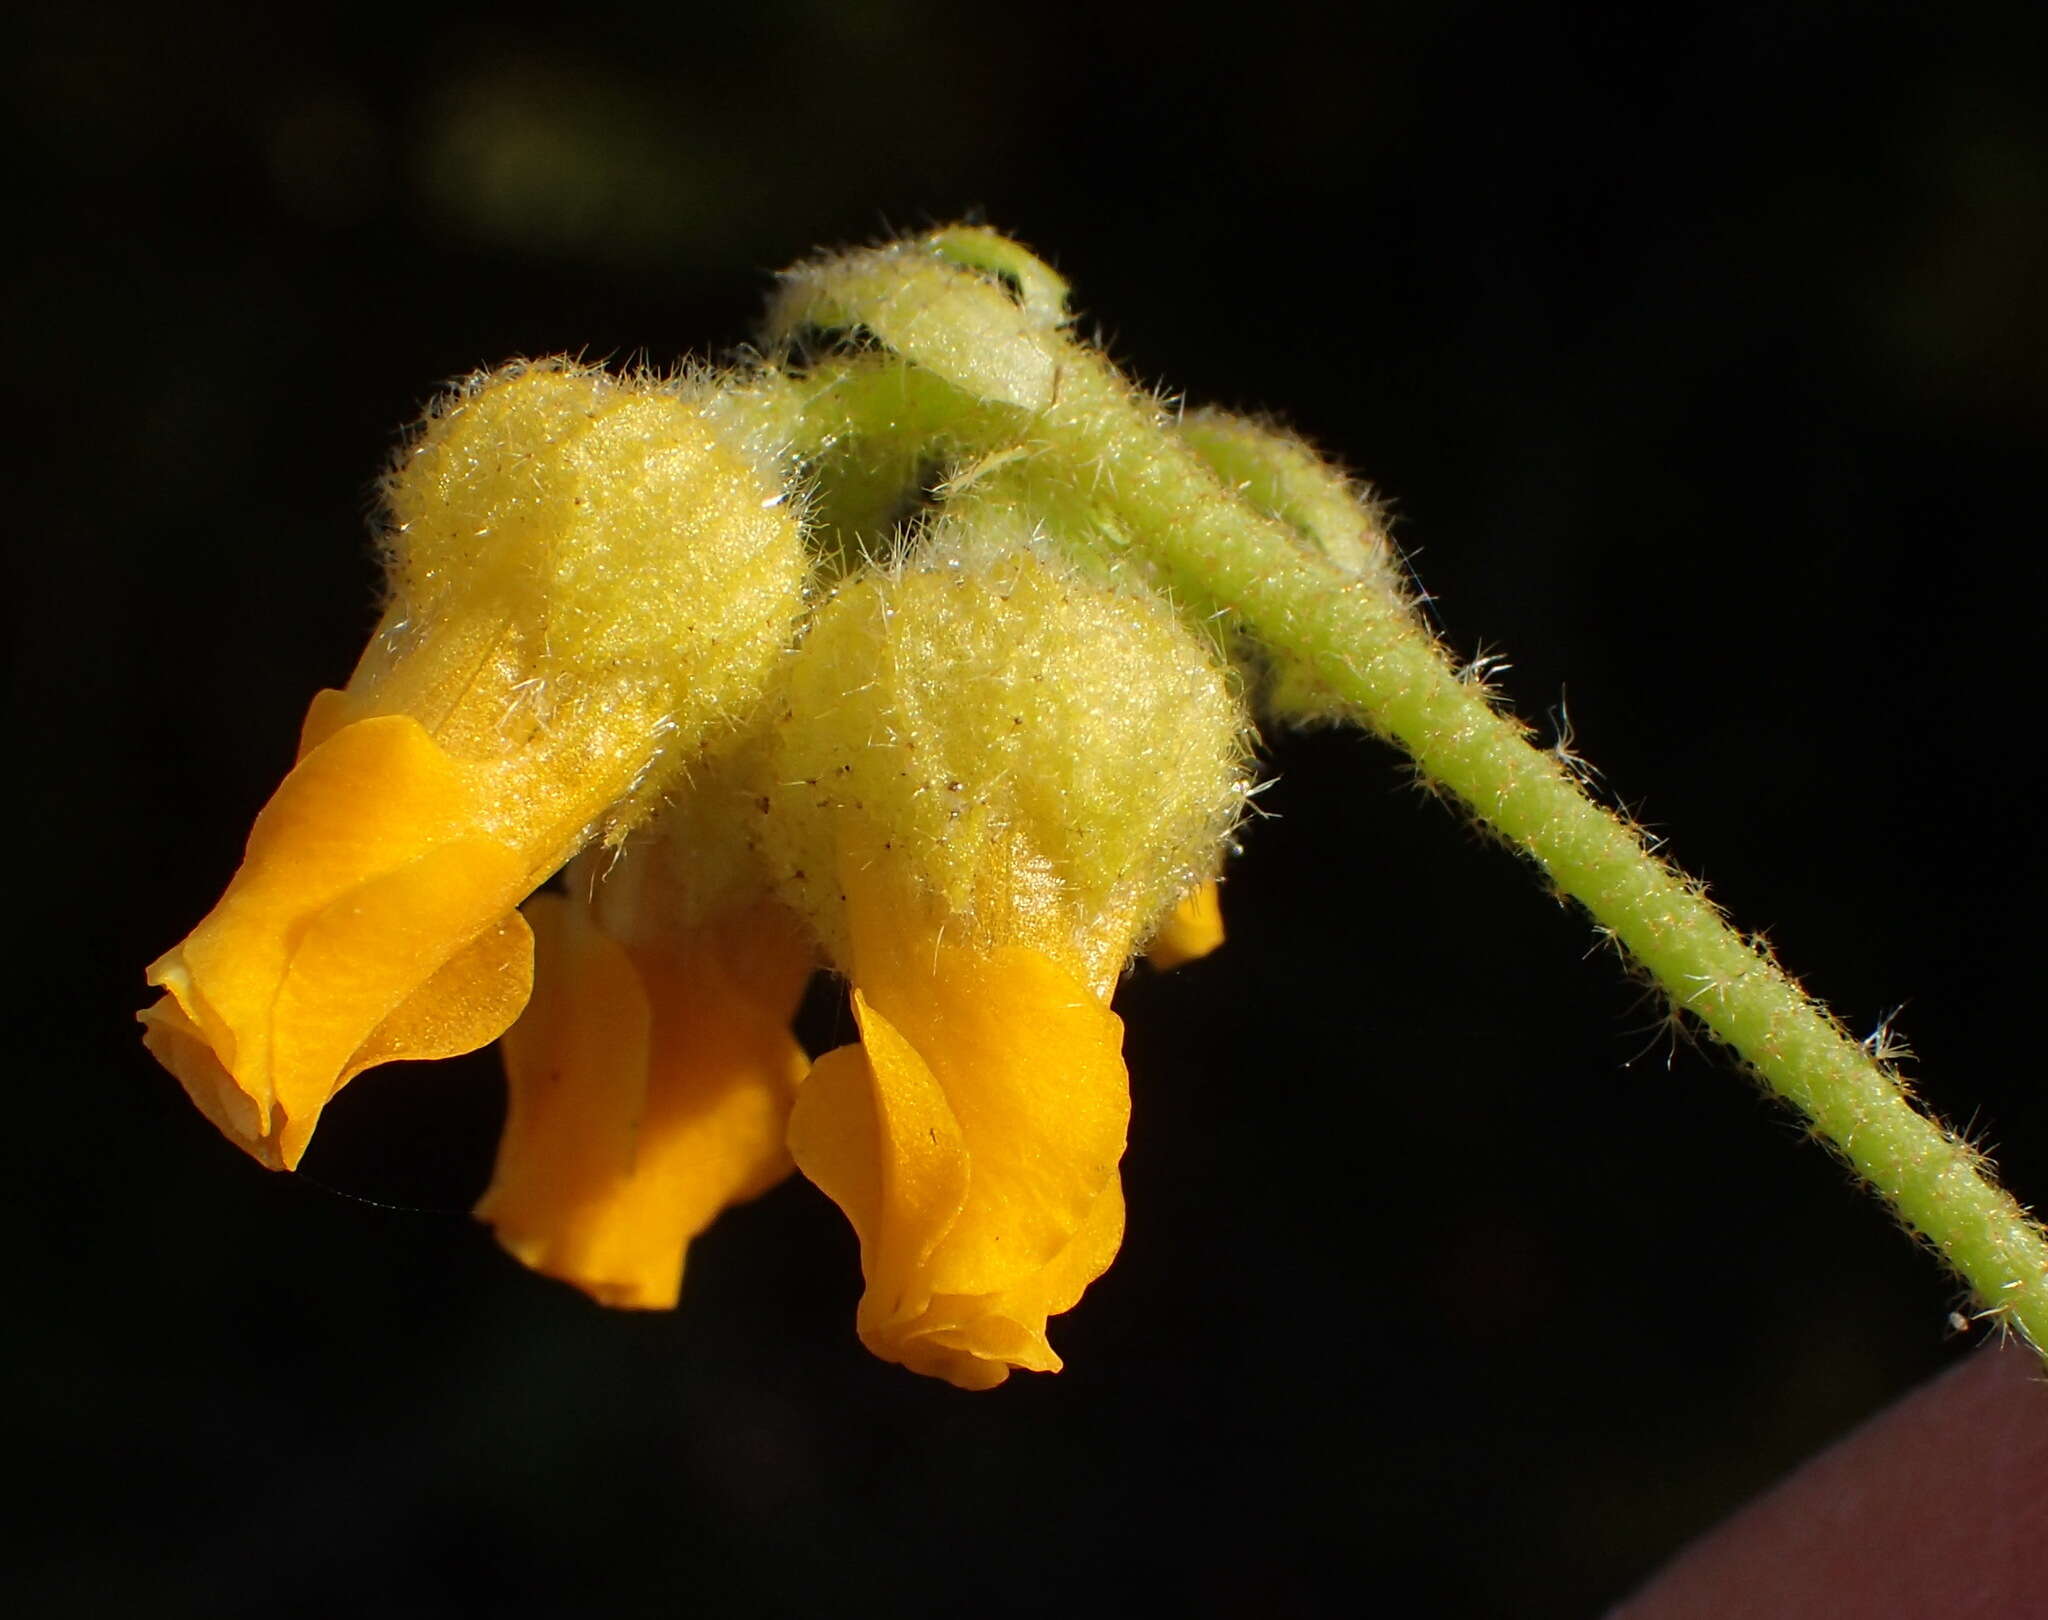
[1103,463]
[1383,662]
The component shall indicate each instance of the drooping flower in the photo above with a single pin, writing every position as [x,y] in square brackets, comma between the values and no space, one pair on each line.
[989,779]
[589,575]
[651,1075]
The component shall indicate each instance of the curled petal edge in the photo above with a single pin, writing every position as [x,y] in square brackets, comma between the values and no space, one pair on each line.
[369,921]
[975,1155]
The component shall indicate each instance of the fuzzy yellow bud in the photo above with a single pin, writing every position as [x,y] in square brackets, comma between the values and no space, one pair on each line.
[596,566]
[588,575]
[1056,761]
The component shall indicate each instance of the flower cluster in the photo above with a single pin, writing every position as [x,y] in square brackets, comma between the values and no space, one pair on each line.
[916,649]
[634,636]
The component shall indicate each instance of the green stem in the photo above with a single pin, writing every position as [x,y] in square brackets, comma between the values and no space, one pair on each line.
[1383,662]
[1099,458]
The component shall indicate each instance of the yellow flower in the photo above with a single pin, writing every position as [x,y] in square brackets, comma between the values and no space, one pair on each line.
[989,779]
[652,1074]
[589,575]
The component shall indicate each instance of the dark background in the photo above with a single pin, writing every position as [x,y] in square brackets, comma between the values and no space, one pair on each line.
[1704,352]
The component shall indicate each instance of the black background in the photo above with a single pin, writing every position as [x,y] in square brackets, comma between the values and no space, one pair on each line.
[1703,352]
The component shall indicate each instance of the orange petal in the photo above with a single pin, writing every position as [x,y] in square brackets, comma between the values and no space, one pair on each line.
[972,1139]
[1193,930]
[649,1089]
[973,1340]
[467,1002]
[463,1006]
[875,1131]
[888,1154]
[1032,1064]
[1029,1060]
[364,877]
[182,1047]
[329,711]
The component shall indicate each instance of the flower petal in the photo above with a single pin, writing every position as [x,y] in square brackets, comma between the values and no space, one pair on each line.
[909,1190]
[972,1140]
[182,1047]
[889,1155]
[973,1340]
[1028,1059]
[649,1089]
[363,879]
[1191,931]
[464,1005]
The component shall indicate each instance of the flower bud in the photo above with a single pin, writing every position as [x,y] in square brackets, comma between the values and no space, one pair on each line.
[1051,760]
